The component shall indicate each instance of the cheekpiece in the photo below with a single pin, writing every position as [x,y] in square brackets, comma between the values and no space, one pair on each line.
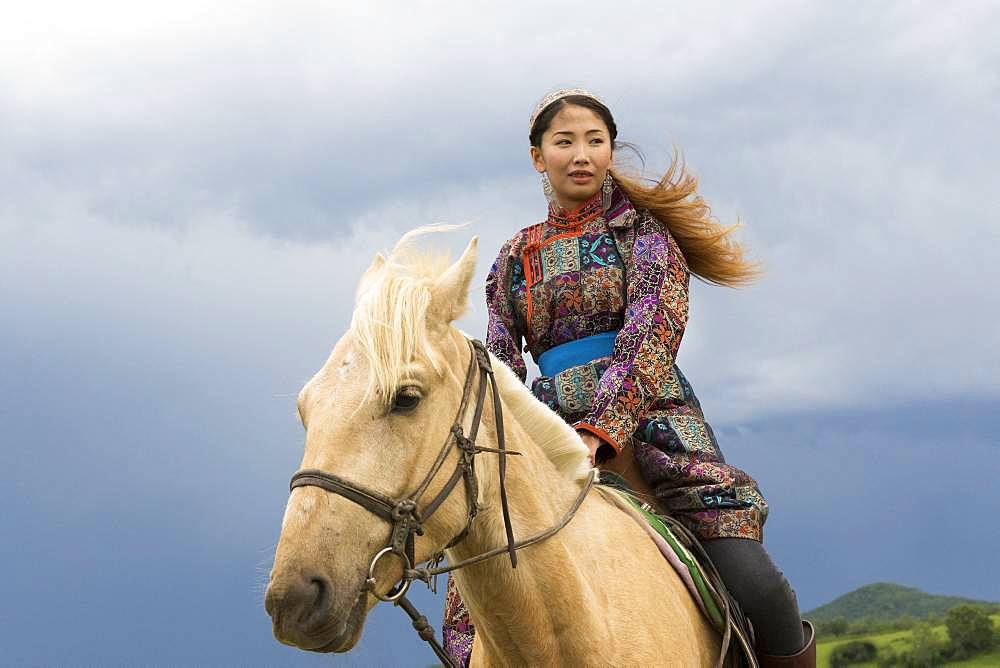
[558,95]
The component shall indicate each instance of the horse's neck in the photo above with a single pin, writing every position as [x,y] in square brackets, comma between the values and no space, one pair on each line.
[557,583]
[595,593]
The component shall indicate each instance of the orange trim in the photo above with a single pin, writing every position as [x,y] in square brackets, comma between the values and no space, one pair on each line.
[533,236]
[598,432]
[528,282]
[534,246]
[575,223]
[580,206]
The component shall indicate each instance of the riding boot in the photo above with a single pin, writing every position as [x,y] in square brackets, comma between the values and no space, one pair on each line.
[804,658]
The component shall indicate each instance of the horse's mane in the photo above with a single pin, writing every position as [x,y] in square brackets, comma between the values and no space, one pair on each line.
[389,321]
[558,440]
[389,325]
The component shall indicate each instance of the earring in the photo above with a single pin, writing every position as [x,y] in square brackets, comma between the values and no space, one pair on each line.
[606,190]
[550,194]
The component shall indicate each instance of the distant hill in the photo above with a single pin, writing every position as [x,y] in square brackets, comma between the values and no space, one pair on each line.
[886,600]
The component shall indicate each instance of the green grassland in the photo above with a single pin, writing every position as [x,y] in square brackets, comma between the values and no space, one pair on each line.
[900,640]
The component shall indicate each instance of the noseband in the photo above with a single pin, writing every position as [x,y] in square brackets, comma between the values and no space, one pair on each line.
[407,521]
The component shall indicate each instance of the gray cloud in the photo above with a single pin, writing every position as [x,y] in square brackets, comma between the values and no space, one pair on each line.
[296,119]
[856,146]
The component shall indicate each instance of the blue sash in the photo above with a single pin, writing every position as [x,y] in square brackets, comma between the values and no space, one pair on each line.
[573,353]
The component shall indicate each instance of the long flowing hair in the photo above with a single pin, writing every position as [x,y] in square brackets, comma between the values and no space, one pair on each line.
[711,252]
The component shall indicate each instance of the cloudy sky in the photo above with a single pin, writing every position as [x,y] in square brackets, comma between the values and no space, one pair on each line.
[188,195]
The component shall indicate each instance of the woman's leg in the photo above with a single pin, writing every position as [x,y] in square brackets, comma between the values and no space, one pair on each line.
[762,592]
[724,508]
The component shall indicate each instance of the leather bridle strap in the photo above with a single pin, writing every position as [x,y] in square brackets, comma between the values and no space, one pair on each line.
[371,500]
[502,447]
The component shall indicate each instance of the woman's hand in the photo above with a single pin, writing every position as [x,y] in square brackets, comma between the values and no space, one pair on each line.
[599,450]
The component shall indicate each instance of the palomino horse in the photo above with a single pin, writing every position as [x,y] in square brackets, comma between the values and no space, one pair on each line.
[596,593]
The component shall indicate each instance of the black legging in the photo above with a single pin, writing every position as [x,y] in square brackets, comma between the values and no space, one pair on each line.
[762,592]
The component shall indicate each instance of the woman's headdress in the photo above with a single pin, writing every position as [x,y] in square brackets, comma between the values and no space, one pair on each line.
[558,95]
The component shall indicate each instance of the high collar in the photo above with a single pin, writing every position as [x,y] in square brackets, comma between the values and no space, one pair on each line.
[589,210]
[586,212]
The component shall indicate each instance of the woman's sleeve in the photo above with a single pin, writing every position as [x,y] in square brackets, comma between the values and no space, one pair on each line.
[503,338]
[656,278]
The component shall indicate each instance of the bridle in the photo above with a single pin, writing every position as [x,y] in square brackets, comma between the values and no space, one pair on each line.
[407,520]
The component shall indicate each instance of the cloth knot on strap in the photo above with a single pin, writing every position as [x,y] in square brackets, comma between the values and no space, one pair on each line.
[424,629]
[422,574]
[405,508]
[463,442]
[483,358]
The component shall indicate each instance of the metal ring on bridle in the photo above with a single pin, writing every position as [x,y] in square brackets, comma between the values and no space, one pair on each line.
[404,584]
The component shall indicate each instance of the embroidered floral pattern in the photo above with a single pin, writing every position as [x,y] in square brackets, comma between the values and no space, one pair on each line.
[457,629]
[575,388]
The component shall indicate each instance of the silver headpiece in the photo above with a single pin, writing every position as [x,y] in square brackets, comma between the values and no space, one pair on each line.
[558,95]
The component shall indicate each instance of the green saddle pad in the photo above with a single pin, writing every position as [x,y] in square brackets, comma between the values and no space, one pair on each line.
[722,610]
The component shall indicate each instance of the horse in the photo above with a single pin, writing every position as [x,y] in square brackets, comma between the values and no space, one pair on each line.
[596,592]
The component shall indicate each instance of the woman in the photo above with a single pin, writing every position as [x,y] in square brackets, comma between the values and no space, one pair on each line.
[598,292]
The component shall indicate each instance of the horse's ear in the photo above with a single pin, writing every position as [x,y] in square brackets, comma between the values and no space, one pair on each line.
[451,290]
[377,263]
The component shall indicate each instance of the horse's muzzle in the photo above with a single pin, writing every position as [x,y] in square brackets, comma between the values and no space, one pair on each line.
[300,610]
[303,613]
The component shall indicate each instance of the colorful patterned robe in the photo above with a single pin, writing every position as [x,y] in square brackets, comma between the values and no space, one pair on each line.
[615,270]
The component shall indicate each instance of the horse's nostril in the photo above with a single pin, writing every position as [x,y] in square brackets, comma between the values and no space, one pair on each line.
[305,602]
[321,602]
[316,597]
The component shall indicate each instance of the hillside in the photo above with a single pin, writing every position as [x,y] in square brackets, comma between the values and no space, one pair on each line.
[886,600]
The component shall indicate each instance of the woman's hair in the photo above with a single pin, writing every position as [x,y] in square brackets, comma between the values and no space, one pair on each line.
[710,252]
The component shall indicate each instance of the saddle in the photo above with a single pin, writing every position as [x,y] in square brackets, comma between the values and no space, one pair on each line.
[682,550]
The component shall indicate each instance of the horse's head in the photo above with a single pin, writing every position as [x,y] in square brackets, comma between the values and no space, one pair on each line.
[376,414]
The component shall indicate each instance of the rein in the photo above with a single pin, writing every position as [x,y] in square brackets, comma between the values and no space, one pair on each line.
[407,521]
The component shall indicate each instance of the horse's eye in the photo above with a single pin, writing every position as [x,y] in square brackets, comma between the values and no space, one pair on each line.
[405,400]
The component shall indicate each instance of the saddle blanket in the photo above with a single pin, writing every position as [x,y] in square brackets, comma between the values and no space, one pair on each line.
[702,580]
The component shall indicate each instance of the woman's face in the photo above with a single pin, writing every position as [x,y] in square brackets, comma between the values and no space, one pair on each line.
[576,153]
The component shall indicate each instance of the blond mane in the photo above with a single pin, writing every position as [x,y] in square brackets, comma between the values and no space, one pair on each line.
[560,443]
[389,325]
[389,321]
